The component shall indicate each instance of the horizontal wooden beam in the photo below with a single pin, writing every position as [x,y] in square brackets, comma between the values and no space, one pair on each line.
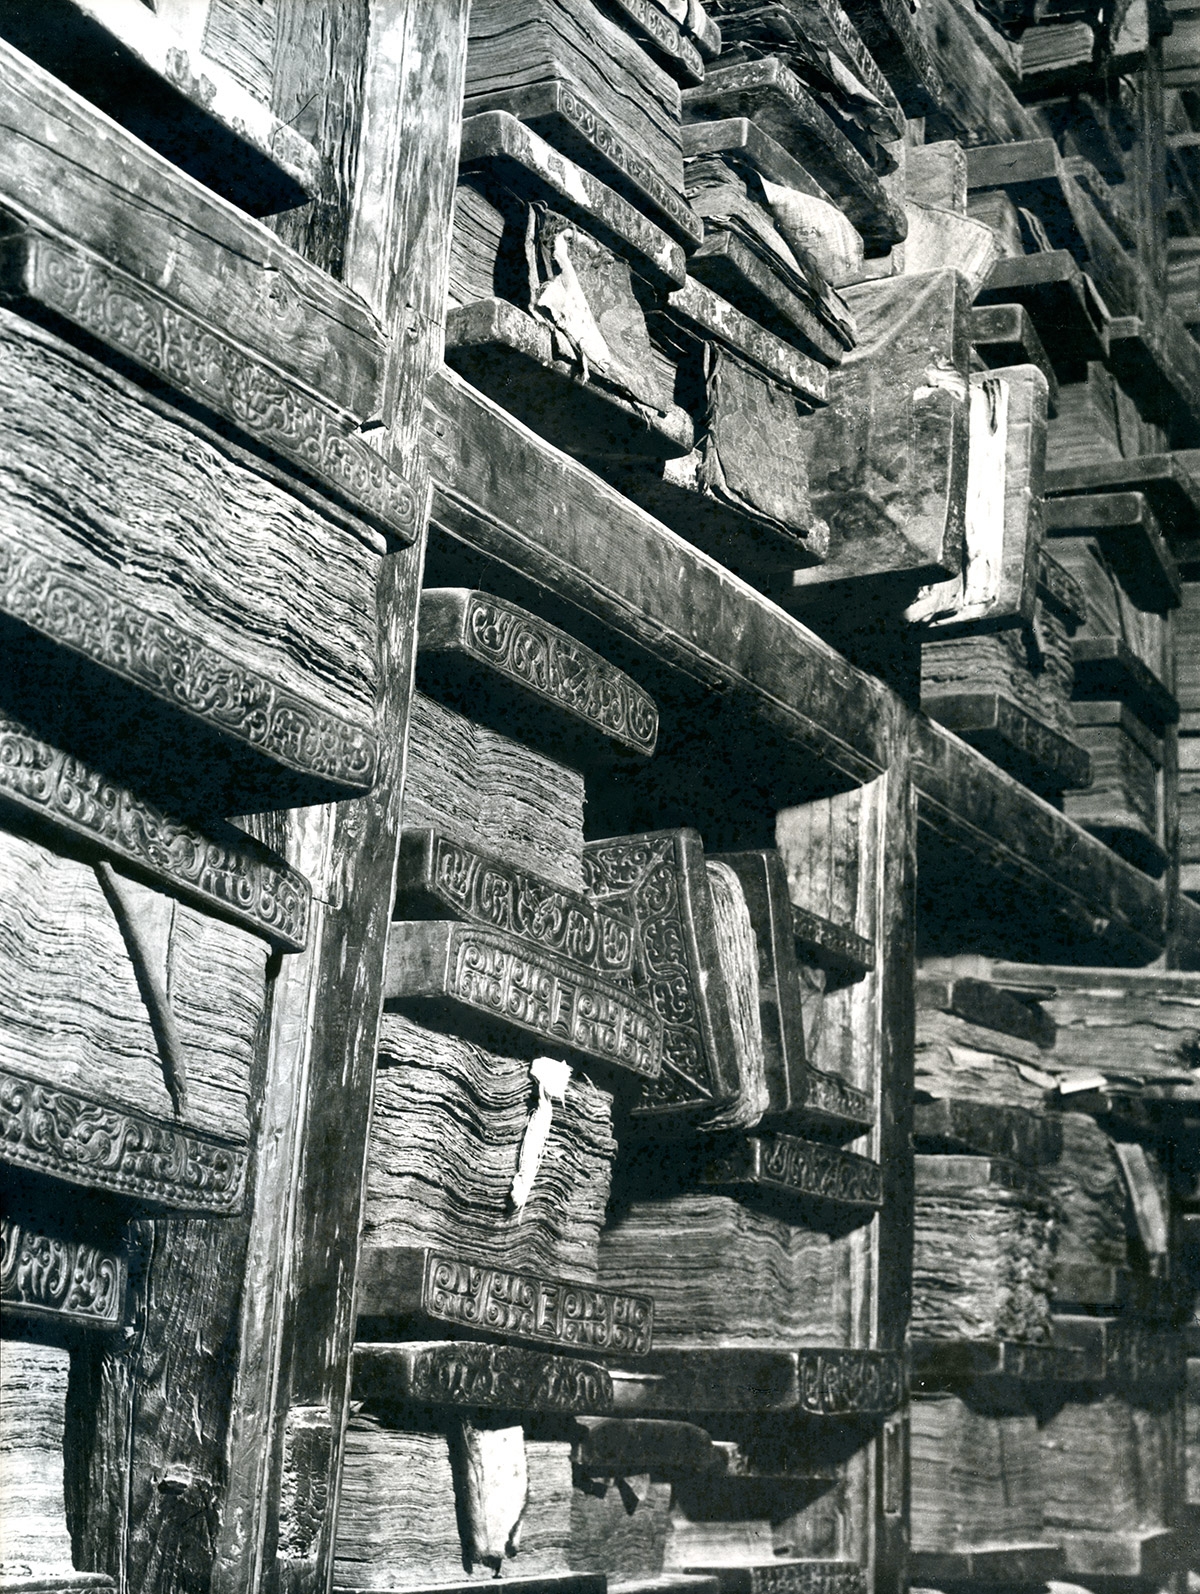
[506,494]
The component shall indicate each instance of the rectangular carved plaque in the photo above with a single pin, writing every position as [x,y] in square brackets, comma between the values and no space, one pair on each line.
[503,978]
[465,634]
[479,1376]
[1010,736]
[825,1381]
[67,1136]
[67,1280]
[225,870]
[789,1577]
[803,1168]
[444,877]
[496,140]
[404,1281]
[799,1093]
[620,1446]
[658,878]
[206,366]
[183,670]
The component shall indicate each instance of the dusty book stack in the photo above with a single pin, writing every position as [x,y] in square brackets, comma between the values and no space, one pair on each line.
[598,813]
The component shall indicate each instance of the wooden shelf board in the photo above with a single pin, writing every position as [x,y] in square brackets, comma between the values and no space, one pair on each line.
[599,553]
[1145,1553]
[988,1563]
[1170,481]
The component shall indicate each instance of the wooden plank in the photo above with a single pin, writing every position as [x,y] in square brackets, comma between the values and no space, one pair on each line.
[439,877]
[1068,314]
[1003,1564]
[1034,753]
[1123,1350]
[1032,174]
[888,462]
[1152,1554]
[834,947]
[703,312]
[988,1005]
[87,1143]
[788,1577]
[1128,529]
[824,1383]
[496,141]
[1005,469]
[1171,482]
[1107,667]
[171,94]
[745,141]
[438,1288]
[656,29]
[802,1169]
[622,1447]
[772,96]
[1004,334]
[70,168]
[1088,895]
[55,1277]
[1160,367]
[937,1362]
[534,672]
[473,970]
[725,264]
[41,271]
[218,867]
[987,1129]
[893,37]
[464,1374]
[510,354]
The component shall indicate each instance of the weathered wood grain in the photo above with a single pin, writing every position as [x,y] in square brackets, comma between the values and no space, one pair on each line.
[168,593]
[986,1004]
[988,1129]
[770,94]
[34,1388]
[161,85]
[982,1243]
[701,312]
[497,142]
[1123,803]
[398,1526]
[450,1116]
[476,648]
[824,1382]
[68,166]
[472,783]
[1105,1466]
[888,459]
[585,86]
[44,273]
[77,1019]
[1003,521]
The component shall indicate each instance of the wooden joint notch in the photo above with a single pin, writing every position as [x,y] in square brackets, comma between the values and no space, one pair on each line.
[491,656]
[471,1376]
[440,1288]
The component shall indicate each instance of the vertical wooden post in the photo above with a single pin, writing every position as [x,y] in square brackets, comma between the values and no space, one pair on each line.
[298,1322]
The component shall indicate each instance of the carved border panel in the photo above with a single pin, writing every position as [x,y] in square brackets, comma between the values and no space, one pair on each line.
[67,1280]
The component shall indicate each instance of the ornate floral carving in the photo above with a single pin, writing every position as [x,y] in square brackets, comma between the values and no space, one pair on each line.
[831,1096]
[200,362]
[180,669]
[834,1383]
[802,1167]
[237,876]
[497,975]
[658,880]
[526,1306]
[45,1276]
[71,1137]
[473,886]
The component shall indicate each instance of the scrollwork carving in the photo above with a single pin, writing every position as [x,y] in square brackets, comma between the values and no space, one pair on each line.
[237,877]
[179,668]
[86,1142]
[47,1276]
[200,362]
